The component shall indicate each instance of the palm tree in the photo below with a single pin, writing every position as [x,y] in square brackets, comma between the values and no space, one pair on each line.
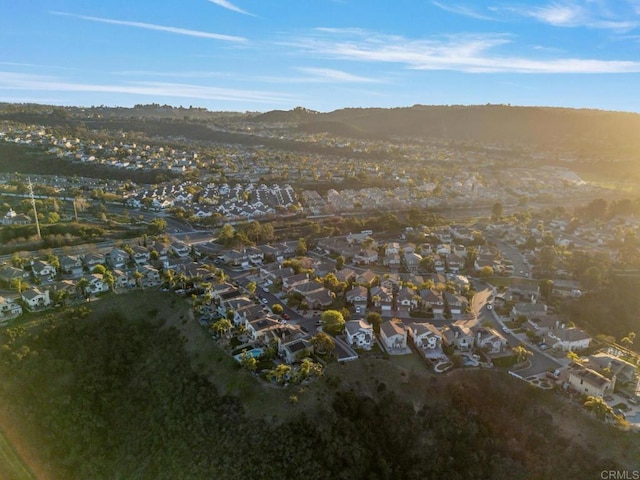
[521,353]
[82,286]
[170,277]
[19,284]
[598,407]
[278,374]
[138,278]
[221,326]
[573,357]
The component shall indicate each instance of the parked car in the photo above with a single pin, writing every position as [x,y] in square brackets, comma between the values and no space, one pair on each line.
[286,316]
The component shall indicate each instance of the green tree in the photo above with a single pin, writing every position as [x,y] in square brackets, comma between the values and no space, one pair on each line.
[323,343]
[251,287]
[248,361]
[339,263]
[279,374]
[521,353]
[332,322]
[157,226]
[301,248]
[277,308]
[598,407]
[221,326]
[100,269]
[375,320]
[497,210]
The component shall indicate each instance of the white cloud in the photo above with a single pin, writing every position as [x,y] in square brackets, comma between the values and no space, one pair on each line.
[464,53]
[230,6]
[462,10]
[588,14]
[161,28]
[331,75]
[18,81]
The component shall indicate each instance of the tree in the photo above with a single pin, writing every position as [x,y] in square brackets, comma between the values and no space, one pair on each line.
[521,353]
[19,285]
[301,248]
[248,361]
[573,357]
[497,211]
[279,373]
[323,343]
[332,322]
[598,407]
[221,326]
[375,320]
[277,308]
[628,340]
[251,287]
[100,269]
[138,278]
[157,226]
[339,263]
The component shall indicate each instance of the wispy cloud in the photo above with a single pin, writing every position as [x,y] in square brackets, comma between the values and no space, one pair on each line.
[18,81]
[160,28]
[587,13]
[172,74]
[230,6]
[464,10]
[331,75]
[464,53]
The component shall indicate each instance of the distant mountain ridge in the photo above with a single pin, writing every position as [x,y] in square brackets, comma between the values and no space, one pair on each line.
[582,130]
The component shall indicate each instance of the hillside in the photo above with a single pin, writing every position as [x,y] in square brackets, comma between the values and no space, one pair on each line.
[127,395]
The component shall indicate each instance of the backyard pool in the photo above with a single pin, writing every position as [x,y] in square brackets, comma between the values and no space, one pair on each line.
[254,352]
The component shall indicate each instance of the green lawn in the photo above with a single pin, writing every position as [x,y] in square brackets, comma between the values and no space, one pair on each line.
[11,465]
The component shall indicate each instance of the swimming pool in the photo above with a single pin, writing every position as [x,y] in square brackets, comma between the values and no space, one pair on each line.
[254,352]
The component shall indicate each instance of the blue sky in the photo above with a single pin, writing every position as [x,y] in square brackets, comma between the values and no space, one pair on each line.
[260,55]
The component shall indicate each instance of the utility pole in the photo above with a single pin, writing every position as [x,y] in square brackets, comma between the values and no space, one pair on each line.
[35,212]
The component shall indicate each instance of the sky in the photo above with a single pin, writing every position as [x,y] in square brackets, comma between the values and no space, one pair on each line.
[261,55]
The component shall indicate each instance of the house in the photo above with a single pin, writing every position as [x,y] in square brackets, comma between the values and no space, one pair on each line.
[393,335]
[357,296]
[457,304]
[11,274]
[382,298]
[289,282]
[34,298]
[454,263]
[528,310]
[180,249]
[295,350]
[366,257]
[425,335]
[567,339]
[589,382]
[391,260]
[432,300]
[359,334]
[407,298]
[43,272]
[490,340]
[122,279]
[367,278]
[259,329]
[96,284]
[71,265]
[320,299]
[526,290]
[9,308]
[412,261]
[624,371]
[345,275]
[392,248]
[117,258]
[141,255]
[150,276]
[458,335]
[244,310]
[91,260]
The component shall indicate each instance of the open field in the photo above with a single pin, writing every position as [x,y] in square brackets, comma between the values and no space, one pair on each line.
[11,465]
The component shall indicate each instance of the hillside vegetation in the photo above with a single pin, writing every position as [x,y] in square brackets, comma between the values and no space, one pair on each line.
[116,395]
